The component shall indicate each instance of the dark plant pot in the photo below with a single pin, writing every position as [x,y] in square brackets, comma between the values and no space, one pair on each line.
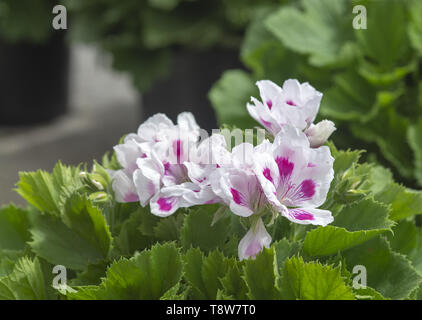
[186,89]
[33,81]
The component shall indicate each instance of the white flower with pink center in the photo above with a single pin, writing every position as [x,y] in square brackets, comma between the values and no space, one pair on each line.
[294,104]
[296,178]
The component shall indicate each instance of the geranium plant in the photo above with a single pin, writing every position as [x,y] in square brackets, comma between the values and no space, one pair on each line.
[176,214]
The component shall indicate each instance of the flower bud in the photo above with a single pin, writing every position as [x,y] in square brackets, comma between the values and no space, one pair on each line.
[318,134]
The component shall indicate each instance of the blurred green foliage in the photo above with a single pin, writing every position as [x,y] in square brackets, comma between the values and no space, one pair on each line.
[371,78]
[26,20]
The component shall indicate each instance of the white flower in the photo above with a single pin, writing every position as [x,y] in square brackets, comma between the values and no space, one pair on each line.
[296,178]
[319,133]
[294,104]
[254,241]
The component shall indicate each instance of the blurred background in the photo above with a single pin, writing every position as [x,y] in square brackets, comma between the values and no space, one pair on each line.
[70,93]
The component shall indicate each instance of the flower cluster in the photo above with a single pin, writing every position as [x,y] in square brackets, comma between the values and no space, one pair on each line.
[295,104]
[170,166]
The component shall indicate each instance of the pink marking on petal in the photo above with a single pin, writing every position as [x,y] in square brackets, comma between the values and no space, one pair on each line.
[311,165]
[178,149]
[165,204]
[131,197]
[212,201]
[301,214]
[166,168]
[285,167]
[307,189]
[237,196]
[267,174]
[253,249]
[266,123]
[269,104]
[291,103]
[144,155]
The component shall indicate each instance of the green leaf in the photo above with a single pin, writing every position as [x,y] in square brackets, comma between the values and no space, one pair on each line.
[388,272]
[175,293]
[389,131]
[131,238]
[415,24]
[312,32]
[46,191]
[28,281]
[385,39]
[350,98]
[233,283]
[261,274]
[168,229]
[404,202]
[147,275]
[407,240]
[87,220]
[368,293]
[14,228]
[80,239]
[312,281]
[265,54]
[354,225]
[92,275]
[229,96]
[198,232]
[285,249]
[414,136]
[204,273]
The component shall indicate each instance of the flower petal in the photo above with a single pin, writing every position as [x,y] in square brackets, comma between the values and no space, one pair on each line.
[254,241]
[123,187]
[309,216]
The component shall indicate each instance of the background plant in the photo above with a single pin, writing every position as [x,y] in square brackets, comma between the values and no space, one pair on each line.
[26,20]
[141,35]
[370,78]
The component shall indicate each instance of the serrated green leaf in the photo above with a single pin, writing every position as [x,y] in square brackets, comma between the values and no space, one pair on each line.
[404,202]
[388,272]
[81,216]
[407,240]
[14,228]
[312,281]
[233,283]
[353,225]
[130,238]
[197,229]
[204,273]
[285,249]
[46,191]
[261,274]
[147,275]
[28,281]
[168,229]
[82,238]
